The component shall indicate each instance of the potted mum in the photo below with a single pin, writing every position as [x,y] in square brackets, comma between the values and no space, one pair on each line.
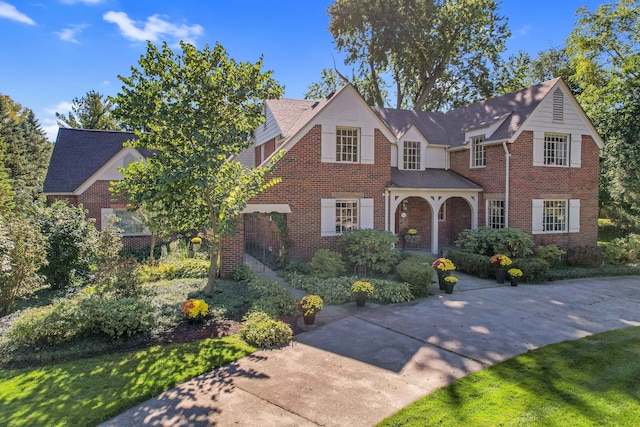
[196,242]
[309,305]
[412,237]
[361,291]
[443,267]
[514,276]
[195,310]
[449,283]
[500,263]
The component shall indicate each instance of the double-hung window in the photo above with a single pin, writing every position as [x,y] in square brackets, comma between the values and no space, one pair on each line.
[346,215]
[556,149]
[478,152]
[347,145]
[411,155]
[495,213]
[554,215]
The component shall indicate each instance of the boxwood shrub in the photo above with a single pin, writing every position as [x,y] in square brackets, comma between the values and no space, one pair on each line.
[261,330]
[418,273]
[534,270]
[474,264]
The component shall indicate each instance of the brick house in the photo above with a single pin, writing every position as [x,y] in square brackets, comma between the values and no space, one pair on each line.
[528,160]
[82,164]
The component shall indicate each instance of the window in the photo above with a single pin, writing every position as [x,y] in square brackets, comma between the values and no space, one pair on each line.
[478,152]
[442,213]
[411,155]
[495,213]
[346,215]
[347,144]
[556,149]
[126,220]
[554,215]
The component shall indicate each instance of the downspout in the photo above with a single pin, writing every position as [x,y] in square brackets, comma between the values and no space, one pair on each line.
[507,156]
[386,209]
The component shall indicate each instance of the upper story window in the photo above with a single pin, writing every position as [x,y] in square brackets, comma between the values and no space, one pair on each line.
[347,144]
[556,149]
[478,152]
[411,155]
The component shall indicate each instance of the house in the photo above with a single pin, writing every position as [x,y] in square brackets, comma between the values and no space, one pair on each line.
[527,160]
[82,164]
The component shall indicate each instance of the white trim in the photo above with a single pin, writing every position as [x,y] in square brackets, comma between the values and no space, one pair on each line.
[366,214]
[108,165]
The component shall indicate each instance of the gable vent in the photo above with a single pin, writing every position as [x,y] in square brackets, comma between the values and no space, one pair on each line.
[558,106]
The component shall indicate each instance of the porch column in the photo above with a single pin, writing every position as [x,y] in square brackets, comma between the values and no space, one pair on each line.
[434,230]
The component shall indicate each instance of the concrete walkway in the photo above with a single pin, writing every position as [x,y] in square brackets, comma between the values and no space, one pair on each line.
[360,365]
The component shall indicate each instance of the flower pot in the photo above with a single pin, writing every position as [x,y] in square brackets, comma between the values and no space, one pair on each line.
[309,319]
[448,288]
[441,276]
[514,281]
[361,300]
[501,275]
[196,247]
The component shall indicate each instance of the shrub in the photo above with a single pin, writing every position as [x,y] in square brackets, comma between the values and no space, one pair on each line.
[474,264]
[623,250]
[48,325]
[390,291]
[71,240]
[418,274]
[261,330]
[334,291]
[373,249]
[273,298]
[489,241]
[117,318]
[550,253]
[187,268]
[534,270]
[326,263]
[585,256]
[297,266]
[243,273]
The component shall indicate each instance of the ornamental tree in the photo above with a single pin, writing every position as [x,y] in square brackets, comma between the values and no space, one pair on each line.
[195,110]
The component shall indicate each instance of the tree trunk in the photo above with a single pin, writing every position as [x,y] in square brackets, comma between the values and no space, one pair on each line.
[214,249]
[152,260]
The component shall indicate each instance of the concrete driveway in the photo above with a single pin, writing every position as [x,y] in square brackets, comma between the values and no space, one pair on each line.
[360,365]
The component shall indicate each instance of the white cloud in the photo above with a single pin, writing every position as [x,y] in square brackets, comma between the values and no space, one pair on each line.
[152,29]
[9,11]
[50,128]
[70,34]
[63,107]
[524,30]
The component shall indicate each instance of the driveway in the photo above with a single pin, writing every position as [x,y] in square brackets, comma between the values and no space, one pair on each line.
[360,365]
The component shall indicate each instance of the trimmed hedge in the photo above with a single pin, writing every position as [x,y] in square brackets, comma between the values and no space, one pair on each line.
[534,270]
[262,330]
[474,264]
[418,273]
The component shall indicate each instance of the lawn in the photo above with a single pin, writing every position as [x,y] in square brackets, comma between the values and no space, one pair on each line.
[594,381]
[90,391]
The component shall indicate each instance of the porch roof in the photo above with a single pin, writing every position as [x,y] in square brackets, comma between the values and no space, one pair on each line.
[437,179]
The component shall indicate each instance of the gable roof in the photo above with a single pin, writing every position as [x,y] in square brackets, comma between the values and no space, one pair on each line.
[286,112]
[431,178]
[79,153]
[449,128]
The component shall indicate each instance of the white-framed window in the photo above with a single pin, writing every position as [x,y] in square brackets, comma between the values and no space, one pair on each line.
[556,149]
[555,216]
[495,213]
[125,220]
[411,155]
[478,152]
[340,215]
[442,212]
[347,144]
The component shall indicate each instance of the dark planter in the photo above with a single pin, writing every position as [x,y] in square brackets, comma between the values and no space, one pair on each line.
[309,319]
[448,288]
[361,300]
[441,276]
[514,281]
[501,275]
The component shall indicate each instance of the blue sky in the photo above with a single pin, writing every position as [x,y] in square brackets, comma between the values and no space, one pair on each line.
[56,50]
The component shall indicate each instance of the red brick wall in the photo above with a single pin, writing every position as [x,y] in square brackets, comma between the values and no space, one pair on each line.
[306,180]
[528,182]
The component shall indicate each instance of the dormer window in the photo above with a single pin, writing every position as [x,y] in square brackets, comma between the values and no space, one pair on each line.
[478,152]
[411,155]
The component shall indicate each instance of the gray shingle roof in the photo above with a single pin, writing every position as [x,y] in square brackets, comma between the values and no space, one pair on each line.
[431,178]
[78,154]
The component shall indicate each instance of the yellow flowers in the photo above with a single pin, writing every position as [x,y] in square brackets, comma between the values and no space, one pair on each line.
[443,264]
[501,260]
[514,272]
[196,240]
[362,288]
[194,308]
[452,280]
[310,304]
[412,232]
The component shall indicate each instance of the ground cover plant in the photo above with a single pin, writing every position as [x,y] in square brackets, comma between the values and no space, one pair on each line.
[89,391]
[588,382]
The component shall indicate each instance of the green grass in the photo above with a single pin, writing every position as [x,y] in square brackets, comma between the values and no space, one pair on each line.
[89,391]
[594,381]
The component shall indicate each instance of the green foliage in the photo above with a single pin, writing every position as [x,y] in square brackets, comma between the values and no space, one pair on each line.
[48,325]
[261,330]
[390,291]
[92,111]
[585,256]
[470,263]
[297,266]
[326,263]
[373,249]
[550,253]
[623,250]
[192,268]
[534,270]
[244,273]
[71,243]
[490,241]
[418,273]
[117,318]
[198,108]
[21,255]
[273,298]
[582,272]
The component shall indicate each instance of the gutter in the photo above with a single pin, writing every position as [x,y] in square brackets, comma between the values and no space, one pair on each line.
[507,156]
